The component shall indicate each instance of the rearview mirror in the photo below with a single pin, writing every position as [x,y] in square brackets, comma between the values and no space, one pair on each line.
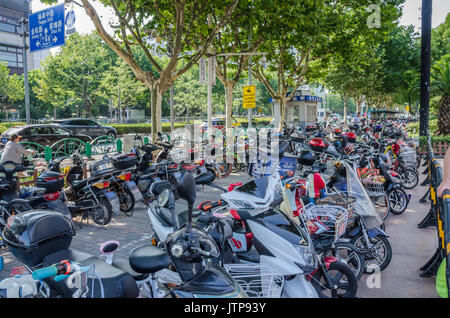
[186,188]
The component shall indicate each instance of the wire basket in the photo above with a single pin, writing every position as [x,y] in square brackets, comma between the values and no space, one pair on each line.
[374,188]
[408,157]
[341,200]
[258,281]
[332,216]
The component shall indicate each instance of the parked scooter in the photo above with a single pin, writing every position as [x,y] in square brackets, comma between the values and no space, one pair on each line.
[90,197]
[45,196]
[364,228]
[188,249]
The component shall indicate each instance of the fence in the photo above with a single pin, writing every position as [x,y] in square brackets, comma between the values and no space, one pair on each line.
[439,216]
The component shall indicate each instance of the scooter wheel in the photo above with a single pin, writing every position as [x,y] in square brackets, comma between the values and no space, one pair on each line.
[127,202]
[398,201]
[377,259]
[102,214]
[345,284]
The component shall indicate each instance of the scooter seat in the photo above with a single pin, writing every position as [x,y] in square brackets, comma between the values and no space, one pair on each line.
[116,282]
[124,264]
[148,259]
[181,215]
[79,183]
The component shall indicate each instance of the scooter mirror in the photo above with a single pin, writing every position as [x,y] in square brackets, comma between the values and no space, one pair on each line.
[186,188]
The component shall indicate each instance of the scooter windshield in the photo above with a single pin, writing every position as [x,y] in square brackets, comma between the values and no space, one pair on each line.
[363,205]
[256,187]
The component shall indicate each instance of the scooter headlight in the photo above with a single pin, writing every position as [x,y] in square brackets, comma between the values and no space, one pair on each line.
[308,256]
[244,205]
[163,197]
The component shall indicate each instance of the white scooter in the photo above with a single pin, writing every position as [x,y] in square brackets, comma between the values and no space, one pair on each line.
[282,245]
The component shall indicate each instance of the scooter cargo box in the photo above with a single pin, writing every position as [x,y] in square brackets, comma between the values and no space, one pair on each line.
[311,128]
[317,144]
[32,235]
[124,161]
[100,167]
[50,181]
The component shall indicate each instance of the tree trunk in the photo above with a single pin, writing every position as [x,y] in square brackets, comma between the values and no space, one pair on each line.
[229,87]
[153,112]
[159,98]
[282,111]
[344,100]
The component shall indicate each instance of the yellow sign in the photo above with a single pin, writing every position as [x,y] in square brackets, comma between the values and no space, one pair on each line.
[249,98]
[407,108]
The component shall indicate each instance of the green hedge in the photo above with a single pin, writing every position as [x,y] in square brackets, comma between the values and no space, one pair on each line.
[423,139]
[123,129]
[412,126]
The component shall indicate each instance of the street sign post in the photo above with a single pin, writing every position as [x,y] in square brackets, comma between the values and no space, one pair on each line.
[47,28]
[249,97]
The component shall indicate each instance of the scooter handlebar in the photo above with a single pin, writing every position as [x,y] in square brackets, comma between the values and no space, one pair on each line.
[45,272]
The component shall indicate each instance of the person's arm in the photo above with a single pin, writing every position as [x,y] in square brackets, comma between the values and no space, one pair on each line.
[445,185]
[22,150]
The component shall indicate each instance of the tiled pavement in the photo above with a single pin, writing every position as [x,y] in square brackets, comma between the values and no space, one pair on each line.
[411,246]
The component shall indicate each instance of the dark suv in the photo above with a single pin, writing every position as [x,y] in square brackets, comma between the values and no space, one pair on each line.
[87,127]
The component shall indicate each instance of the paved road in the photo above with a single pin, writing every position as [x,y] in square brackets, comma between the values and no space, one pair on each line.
[412,247]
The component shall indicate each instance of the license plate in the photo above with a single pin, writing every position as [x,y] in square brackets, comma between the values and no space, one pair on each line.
[135,190]
[113,199]
[4,140]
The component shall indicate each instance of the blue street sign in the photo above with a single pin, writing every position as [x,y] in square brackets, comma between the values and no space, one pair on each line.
[70,19]
[47,28]
[306,98]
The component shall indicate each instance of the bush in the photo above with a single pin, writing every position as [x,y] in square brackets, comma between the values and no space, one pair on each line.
[415,126]
[145,128]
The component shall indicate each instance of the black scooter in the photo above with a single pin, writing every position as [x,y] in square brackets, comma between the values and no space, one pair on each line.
[91,197]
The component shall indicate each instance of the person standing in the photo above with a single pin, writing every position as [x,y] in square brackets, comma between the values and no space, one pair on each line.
[445,184]
[13,150]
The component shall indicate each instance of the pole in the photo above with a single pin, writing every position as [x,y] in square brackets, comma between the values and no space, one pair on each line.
[209,85]
[171,108]
[250,110]
[24,35]
[209,102]
[425,67]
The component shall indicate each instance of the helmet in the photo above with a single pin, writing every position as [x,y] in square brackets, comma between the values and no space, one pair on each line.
[306,158]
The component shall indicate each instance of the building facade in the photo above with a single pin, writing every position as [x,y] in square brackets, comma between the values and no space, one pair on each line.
[11,12]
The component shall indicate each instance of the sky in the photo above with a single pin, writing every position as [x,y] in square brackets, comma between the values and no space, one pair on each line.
[411,14]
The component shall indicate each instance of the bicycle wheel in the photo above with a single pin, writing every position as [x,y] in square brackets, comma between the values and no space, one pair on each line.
[342,278]
[225,169]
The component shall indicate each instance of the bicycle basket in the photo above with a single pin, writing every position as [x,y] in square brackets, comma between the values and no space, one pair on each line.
[374,188]
[408,157]
[258,281]
[333,217]
[341,200]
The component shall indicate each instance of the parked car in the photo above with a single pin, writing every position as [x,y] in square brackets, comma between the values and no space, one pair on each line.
[46,134]
[219,123]
[86,127]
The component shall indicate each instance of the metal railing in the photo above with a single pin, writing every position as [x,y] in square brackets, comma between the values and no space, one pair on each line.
[438,216]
